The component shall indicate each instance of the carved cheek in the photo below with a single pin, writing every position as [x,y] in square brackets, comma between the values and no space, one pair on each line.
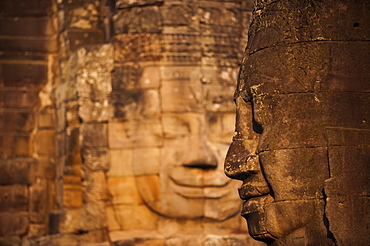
[262,110]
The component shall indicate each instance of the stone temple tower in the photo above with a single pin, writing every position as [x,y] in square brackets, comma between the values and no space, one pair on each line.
[116,118]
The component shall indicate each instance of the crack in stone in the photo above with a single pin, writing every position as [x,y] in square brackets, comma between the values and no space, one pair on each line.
[292,148]
[330,234]
[328,160]
[288,44]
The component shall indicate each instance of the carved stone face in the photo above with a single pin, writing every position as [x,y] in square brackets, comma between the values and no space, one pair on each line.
[180,62]
[299,141]
[183,176]
[279,149]
[282,185]
[301,144]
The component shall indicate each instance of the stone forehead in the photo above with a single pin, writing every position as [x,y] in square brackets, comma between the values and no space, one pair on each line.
[142,90]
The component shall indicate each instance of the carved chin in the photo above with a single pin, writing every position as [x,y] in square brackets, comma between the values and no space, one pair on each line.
[253,211]
[191,203]
[269,221]
[193,194]
[257,227]
[180,207]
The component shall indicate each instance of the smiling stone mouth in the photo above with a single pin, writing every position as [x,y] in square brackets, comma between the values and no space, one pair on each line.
[255,197]
[198,178]
[200,191]
[198,185]
[197,192]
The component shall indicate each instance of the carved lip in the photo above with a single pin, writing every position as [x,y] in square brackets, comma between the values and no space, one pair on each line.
[198,183]
[255,195]
[208,190]
[255,204]
[200,192]
[247,191]
[199,178]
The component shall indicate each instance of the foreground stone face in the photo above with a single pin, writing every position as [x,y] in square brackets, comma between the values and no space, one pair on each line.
[301,146]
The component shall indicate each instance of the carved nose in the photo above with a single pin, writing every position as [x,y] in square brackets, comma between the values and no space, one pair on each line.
[199,155]
[239,162]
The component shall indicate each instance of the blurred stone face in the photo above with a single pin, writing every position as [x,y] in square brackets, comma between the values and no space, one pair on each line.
[185,177]
[174,80]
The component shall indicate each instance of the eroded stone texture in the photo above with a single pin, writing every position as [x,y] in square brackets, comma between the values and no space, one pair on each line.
[82,109]
[13,223]
[302,133]
[85,110]
[28,71]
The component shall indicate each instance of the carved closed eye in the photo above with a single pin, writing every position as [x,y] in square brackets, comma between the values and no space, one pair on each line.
[247,97]
[171,136]
[167,135]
